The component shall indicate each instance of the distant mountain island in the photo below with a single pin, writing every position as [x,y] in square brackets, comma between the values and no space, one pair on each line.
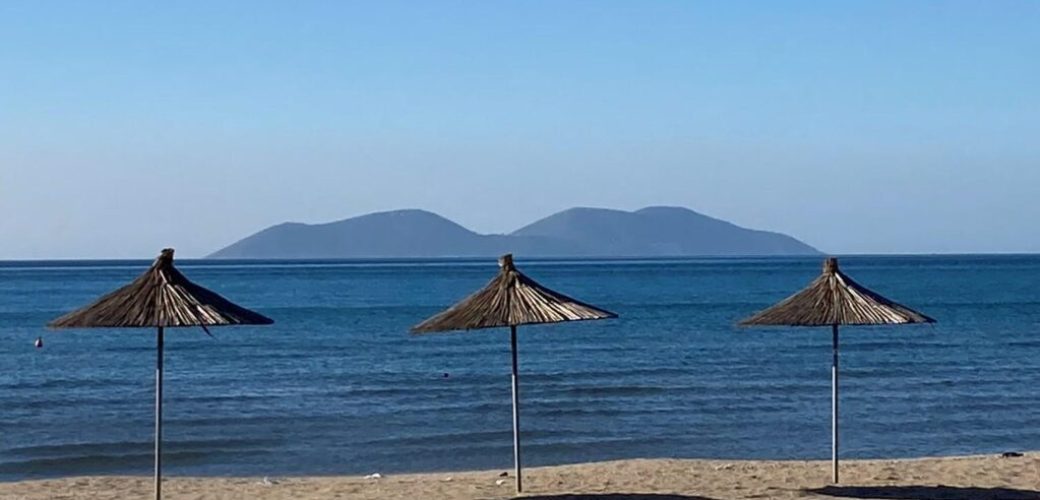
[577,232]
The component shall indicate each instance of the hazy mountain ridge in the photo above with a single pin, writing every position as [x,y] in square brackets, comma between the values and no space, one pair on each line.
[588,232]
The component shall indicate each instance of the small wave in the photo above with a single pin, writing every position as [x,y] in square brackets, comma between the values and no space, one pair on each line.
[582,445]
[629,373]
[218,398]
[1024,343]
[65,384]
[616,391]
[120,448]
[449,439]
[244,420]
[108,463]
[23,404]
[592,411]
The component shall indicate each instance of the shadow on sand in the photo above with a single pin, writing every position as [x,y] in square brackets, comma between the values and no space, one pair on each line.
[612,496]
[925,493]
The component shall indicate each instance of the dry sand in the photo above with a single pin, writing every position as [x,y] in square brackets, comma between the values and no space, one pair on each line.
[953,478]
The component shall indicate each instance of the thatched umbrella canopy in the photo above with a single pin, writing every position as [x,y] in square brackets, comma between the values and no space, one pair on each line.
[511,299]
[161,297]
[833,299]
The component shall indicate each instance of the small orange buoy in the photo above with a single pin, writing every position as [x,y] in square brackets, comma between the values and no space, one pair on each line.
[39,343]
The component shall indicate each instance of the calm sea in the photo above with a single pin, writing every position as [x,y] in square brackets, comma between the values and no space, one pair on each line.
[338,385]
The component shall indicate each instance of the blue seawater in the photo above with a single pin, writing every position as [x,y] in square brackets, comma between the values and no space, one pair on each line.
[338,386]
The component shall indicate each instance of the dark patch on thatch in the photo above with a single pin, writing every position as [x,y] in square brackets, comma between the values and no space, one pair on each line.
[162,296]
[511,299]
[835,299]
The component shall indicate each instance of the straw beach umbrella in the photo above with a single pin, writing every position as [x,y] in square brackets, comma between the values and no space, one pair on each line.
[162,297]
[511,299]
[833,299]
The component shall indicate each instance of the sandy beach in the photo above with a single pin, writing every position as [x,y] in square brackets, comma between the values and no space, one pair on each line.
[949,478]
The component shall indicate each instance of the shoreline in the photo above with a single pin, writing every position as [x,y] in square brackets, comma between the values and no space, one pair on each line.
[952,477]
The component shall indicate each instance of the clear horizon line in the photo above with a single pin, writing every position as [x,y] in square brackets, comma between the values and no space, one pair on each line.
[542,257]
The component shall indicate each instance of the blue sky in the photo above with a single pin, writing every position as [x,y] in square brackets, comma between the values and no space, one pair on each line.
[859,127]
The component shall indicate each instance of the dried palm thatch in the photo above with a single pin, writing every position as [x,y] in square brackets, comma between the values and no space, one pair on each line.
[161,297]
[512,299]
[833,299]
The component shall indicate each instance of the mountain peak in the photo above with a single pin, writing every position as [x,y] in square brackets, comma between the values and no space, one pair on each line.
[406,212]
[665,209]
[400,214]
